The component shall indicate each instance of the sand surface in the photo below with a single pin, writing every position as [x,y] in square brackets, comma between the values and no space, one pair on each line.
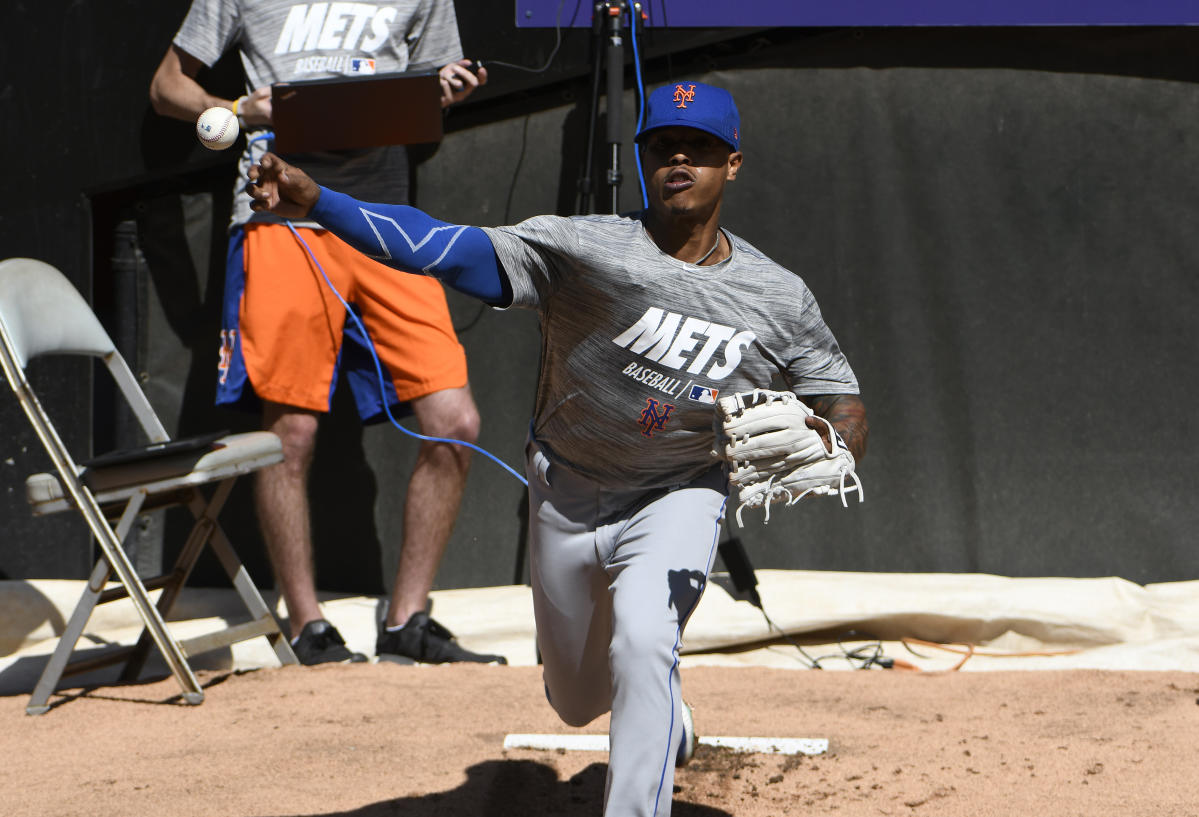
[378,739]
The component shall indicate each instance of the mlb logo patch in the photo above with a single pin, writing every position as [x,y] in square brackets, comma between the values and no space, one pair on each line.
[362,65]
[702,394]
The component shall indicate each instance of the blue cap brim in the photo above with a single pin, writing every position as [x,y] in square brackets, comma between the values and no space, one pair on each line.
[684,124]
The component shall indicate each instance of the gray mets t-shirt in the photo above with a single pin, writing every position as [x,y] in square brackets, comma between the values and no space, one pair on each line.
[637,345]
[282,40]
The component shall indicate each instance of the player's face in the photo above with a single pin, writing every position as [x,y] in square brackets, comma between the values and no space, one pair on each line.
[686,170]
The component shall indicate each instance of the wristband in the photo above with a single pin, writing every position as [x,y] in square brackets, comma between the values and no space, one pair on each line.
[241,120]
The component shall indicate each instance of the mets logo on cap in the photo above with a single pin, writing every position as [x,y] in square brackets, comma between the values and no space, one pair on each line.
[684,95]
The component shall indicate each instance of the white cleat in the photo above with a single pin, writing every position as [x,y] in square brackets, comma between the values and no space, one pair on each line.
[688,741]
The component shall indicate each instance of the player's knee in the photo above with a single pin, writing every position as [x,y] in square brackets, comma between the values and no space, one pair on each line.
[577,695]
[576,717]
[573,710]
[297,433]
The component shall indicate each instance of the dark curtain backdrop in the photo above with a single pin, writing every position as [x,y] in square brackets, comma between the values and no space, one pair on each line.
[995,223]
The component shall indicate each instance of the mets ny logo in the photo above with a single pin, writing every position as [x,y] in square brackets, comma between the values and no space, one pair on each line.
[654,417]
[683,96]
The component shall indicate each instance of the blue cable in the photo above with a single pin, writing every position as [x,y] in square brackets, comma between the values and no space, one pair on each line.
[640,107]
[375,357]
[379,370]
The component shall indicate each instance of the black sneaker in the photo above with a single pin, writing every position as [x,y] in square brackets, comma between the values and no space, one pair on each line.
[424,640]
[320,643]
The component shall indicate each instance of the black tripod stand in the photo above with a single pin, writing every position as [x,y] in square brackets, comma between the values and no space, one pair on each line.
[608,25]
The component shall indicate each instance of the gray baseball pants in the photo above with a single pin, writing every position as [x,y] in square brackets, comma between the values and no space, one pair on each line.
[615,575]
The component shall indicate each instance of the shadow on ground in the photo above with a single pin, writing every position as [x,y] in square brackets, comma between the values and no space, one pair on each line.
[501,788]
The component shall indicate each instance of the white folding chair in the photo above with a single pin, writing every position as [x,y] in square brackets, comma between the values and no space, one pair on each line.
[41,313]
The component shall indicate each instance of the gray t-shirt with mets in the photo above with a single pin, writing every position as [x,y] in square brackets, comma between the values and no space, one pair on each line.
[637,345]
[286,41]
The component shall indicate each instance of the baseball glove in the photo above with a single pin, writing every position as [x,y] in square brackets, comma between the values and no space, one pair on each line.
[774,456]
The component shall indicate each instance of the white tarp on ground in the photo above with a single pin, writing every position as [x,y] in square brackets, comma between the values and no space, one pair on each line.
[1011,623]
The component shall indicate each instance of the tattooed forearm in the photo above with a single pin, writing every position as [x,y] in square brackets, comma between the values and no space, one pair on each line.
[847,414]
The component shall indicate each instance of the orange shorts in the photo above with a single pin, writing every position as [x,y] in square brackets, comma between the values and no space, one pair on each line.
[294,337]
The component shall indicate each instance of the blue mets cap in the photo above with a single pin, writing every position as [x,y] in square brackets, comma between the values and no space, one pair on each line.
[693,105]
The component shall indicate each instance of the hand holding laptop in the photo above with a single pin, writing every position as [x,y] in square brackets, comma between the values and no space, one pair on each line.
[460,79]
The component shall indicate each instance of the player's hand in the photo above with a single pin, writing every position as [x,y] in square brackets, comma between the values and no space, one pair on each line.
[458,82]
[821,429]
[256,110]
[280,188]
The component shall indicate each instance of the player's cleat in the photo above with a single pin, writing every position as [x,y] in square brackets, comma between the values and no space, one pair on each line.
[320,643]
[424,640]
[688,740]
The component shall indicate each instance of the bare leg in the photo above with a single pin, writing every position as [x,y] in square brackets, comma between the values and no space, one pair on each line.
[434,493]
[281,498]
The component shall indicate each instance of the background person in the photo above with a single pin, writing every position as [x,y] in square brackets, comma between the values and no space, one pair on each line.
[285,341]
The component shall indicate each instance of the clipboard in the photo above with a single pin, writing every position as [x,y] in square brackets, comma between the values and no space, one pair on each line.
[344,113]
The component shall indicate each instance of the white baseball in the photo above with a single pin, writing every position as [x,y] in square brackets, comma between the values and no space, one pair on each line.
[217,128]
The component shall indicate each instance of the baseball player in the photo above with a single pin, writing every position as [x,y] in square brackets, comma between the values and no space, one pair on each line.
[646,320]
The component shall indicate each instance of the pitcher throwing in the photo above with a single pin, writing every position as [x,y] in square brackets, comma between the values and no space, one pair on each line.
[647,320]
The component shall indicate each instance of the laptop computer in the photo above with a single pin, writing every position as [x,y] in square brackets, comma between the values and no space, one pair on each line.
[356,112]
[154,461]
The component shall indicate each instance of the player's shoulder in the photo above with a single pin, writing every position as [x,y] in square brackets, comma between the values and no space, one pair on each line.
[604,229]
[595,221]
[607,222]
[751,256]
[563,232]
[758,269]
[748,251]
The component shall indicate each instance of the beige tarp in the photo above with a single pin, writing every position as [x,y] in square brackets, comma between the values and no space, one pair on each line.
[1009,623]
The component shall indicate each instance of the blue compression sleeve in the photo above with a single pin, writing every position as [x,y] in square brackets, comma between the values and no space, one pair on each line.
[410,240]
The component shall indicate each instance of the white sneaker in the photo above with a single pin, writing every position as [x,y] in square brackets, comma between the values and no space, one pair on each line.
[689,740]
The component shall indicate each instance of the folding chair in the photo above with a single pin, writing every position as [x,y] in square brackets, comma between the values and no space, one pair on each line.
[41,313]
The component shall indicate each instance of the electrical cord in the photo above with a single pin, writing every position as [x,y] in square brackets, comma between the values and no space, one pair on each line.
[860,658]
[634,20]
[865,656]
[370,344]
[741,574]
[968,651]
[812,663]
[870,655]
[557,44]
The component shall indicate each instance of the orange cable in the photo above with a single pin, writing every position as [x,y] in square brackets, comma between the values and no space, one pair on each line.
[967,651]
